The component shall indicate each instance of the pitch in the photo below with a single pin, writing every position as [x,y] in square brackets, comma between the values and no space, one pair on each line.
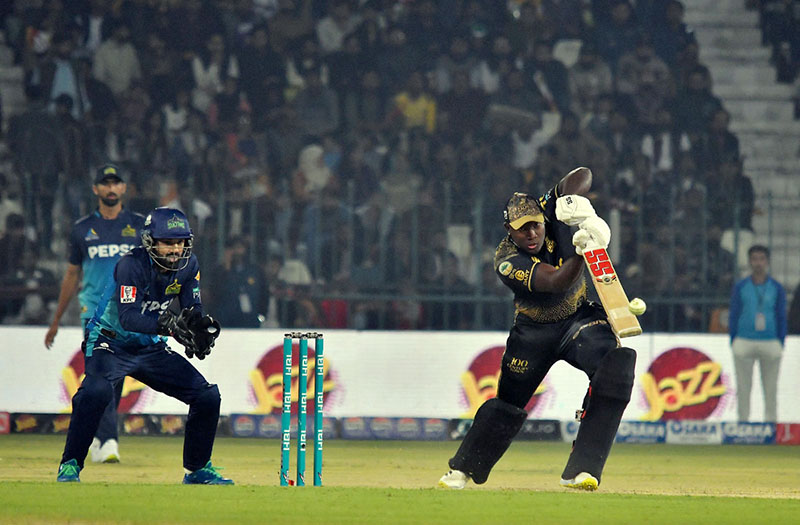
[393,482]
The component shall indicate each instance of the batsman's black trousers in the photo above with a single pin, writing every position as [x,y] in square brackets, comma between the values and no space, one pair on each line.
[582,340]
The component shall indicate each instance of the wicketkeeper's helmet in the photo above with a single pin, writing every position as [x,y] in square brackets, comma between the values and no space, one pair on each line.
[167,223]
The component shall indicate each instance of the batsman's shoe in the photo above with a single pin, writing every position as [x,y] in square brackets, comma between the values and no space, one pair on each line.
[583,481]
[69,471]
[454,479]
[207,475]
[108,452]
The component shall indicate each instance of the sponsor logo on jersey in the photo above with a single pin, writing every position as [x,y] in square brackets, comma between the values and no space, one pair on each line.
[518,366]
[479,383]
[174,288]
[91,235]
[103,251]
[129,231]
[197,277]
[505,268]
[519,275]
[127,294]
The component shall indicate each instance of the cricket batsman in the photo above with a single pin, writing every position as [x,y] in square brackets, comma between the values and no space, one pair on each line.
[154,293]
[541,261]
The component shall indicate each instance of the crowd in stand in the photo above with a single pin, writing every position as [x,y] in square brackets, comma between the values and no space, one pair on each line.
[345,161]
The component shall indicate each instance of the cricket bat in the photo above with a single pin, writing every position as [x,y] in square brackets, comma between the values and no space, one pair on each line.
[611,293]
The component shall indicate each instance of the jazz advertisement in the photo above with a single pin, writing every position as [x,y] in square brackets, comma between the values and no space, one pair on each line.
[679,379]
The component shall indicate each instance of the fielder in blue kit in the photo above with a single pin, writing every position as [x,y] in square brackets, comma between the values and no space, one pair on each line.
[96,243]
[155,292]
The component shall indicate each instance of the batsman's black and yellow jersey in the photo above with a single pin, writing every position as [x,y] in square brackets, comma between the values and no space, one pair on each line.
[517,269]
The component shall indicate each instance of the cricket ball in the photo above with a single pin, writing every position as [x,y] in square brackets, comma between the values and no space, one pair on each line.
[637,306]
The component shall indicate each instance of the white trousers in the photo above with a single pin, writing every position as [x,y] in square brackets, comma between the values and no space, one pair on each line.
[768,354]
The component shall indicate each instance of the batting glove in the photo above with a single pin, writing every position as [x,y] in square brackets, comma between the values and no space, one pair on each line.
[574,209]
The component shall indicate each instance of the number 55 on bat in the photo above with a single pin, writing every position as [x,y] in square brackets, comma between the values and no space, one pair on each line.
[611,293]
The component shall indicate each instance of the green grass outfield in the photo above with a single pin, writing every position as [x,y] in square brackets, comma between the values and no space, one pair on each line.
[384,482]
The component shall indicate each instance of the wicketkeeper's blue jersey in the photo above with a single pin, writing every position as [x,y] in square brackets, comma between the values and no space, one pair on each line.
[128,310]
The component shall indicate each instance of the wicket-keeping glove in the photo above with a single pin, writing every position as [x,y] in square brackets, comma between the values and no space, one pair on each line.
[205,329]
[176,326]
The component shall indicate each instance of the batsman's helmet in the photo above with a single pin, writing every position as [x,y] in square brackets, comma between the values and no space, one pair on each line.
[167,223]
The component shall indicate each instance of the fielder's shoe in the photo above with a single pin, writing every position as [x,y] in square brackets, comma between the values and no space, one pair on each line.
[454,479]
[69,471]
[583,481]
[207,475]
[108,452]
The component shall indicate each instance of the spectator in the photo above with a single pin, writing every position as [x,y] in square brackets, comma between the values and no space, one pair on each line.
[550,76]
[589,78]
[718,144]
[573,146]
[397,60]
[517,93]
[334,28]
[38,145]
[99,101]
[39,284]
[794,312]
[116,62]
[160,69]
[261,70]
[491,70]
[695,105]
[9,199]
[210,68]
[291,23]
[670,35]
[757,327]
[457,58]
[414,107]
[731,199]
[646,79]
[76,157]
[616,36]
[13,244]
[317,106]
[326,233]
[661,143]
[461,111]
[243,300]
[59,74]
[307,57]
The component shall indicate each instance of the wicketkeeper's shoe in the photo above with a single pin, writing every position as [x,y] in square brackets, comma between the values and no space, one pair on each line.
[108,452]
[454,479]
[583,481]
[207,475]
[69,471]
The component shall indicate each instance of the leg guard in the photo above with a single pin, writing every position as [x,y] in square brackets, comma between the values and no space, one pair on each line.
[201,428]
[609,393]
[495,425]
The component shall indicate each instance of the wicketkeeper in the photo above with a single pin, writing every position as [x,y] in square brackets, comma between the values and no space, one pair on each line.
[154,293]
[540,260]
